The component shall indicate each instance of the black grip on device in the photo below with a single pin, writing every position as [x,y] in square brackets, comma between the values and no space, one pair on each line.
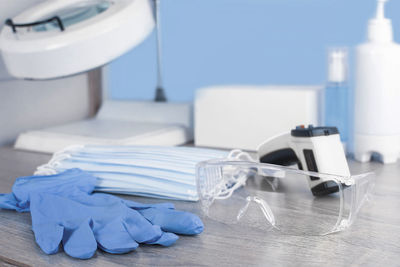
[283,157]
[325,188]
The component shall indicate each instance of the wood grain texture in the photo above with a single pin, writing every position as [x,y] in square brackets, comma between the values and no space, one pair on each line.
[373,240]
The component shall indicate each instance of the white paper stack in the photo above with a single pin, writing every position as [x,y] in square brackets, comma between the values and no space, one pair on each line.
[118,123]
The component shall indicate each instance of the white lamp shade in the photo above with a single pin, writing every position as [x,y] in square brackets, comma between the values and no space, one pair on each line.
[95,32]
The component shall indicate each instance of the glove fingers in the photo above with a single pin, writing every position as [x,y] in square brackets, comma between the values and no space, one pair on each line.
[48,234]
[174,221]
[113,238]
[8,201]
[166,239]
[80,242]
[140,229]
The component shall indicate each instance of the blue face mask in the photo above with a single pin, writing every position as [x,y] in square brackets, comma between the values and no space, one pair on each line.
[182,174]
[162,172]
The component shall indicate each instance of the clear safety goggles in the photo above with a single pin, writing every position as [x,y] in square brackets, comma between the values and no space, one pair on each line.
[268,196]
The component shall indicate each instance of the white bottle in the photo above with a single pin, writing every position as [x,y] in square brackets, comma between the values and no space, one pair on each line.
[377,93]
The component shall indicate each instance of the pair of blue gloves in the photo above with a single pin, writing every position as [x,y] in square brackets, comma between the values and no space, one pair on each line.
[64,209]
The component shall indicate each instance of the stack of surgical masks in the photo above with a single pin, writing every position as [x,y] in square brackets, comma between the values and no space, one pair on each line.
[161,172]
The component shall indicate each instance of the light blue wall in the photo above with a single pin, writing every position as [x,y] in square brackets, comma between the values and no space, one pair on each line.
[208,42]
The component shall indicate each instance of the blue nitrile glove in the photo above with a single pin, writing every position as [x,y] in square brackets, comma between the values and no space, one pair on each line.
[63,209]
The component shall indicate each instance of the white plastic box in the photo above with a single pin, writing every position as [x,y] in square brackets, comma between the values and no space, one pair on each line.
[245,116]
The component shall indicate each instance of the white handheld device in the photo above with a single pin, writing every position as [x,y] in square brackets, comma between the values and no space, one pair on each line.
[316,149]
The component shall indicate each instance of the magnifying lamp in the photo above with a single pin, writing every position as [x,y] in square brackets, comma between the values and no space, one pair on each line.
[59,38]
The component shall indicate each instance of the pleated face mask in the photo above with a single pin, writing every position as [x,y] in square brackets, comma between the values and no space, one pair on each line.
[152,171]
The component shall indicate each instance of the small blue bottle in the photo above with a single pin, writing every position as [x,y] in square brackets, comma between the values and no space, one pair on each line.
[336,95]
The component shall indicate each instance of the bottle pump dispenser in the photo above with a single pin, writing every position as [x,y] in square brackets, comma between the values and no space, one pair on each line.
[377,93]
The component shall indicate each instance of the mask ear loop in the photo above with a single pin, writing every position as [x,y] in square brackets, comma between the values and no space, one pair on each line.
[58,158]
[223,190]
[44,170]
[238,154]
[226,187]
[50,167]
[68,150]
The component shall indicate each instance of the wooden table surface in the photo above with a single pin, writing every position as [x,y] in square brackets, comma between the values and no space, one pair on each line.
[373,240]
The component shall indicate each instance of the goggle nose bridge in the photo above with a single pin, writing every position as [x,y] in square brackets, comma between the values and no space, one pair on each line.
[262,204]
